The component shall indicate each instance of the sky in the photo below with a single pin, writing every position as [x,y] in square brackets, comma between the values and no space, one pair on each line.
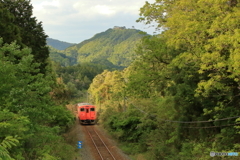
[74,21]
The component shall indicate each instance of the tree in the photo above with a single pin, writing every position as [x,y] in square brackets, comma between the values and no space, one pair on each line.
[18,24]
[205,73]
[9,30]
[27,109]
[6,144]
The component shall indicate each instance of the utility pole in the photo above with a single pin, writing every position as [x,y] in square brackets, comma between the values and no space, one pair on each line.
[99,100]
[87,98]
[124,98]
[124,105]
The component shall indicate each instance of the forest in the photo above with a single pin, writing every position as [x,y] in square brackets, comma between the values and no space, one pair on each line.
[33,116]
[174,95]
[179,99]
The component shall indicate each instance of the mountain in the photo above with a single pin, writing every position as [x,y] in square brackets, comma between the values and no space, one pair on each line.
[60,45]
[116,45]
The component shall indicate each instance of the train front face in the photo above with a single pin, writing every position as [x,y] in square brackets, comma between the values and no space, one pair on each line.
[87,114]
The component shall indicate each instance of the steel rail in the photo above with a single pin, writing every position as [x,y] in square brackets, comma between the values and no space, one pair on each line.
[104,144]
[96,144]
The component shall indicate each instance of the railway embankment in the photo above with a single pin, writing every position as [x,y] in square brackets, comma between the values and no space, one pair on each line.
[88,150]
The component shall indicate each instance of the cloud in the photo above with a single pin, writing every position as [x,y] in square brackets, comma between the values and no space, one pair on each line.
[77,20]
[106,10]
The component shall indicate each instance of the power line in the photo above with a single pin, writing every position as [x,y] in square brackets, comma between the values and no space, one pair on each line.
[188,121]
[215,126]
[200,121]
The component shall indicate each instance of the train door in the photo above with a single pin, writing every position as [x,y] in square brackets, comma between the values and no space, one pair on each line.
[87,113]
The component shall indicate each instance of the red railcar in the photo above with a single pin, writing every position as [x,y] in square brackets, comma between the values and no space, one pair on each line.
[86,113]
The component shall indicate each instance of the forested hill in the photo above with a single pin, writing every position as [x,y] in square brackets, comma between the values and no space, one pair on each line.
[114,46]
[180,98]
[60,45]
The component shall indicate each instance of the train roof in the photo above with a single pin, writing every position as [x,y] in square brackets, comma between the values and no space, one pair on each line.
[83,104]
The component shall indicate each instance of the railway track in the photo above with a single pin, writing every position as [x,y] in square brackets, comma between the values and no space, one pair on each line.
[99,144]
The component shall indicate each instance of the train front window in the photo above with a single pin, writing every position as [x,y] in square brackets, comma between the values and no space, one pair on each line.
[92,109]
[81,109]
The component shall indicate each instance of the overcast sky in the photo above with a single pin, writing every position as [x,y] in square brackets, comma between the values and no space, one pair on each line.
[77,20]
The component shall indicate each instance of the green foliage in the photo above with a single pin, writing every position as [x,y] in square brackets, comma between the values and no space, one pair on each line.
[109,85]
[124,127]
[152,66]
[19,25]
[61,117]
[79,77]
[28,112]
[59,57]
[6,144]
[11,124]
[31,122]
[189,72]
[45,143]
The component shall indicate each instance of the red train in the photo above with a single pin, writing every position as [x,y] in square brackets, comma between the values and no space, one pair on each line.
[86,113]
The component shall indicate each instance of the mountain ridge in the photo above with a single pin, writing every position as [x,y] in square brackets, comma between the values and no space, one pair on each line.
[114,46]
[57,44]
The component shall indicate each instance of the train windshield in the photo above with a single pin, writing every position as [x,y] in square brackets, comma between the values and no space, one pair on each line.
[92,109]
[82,109]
